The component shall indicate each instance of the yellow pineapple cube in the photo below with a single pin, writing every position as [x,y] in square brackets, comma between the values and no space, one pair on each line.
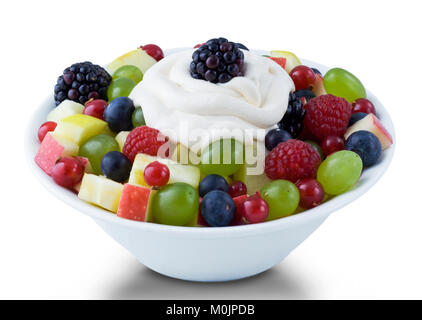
[64,110]
[121,138]
[80,127]
[178,172]
[101,191]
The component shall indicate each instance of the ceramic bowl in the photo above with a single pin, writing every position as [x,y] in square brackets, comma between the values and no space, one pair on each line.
[210,254]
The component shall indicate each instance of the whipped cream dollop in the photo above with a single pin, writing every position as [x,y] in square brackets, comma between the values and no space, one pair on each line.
[172,100]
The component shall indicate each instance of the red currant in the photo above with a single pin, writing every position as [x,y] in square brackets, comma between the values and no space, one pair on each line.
[254,209]
[363,105]
[95,108]
[154,51]
[68,172]
[156,174]
[45,128]
[332,144]
[237,188]
[303,77]
[311,193]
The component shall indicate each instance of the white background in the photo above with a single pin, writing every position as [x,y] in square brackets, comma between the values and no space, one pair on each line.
[370,249]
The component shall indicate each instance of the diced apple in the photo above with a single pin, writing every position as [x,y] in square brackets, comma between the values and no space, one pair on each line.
[372,124]
[65,109]
[121,138]
[101,191]
[80,127]
[318,88]
[138,58]
[53,147]
[135,203]
[178,172]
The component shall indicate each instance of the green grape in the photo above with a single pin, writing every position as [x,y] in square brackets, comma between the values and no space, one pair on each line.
[121,87]
[317,147]
[95,148]
[342,83]
[138,117]
[282,197]
[175,204]
[223,157]
[339,171]
[130,72]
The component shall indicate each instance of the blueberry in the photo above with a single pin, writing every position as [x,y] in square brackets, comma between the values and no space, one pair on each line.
[356,117]
[316,71]
[118,114]
[116,166]
[275,136]
[213,182]
[366,145]
[305,93]
[218,208]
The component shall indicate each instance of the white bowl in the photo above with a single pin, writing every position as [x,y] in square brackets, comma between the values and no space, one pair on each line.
[210,254]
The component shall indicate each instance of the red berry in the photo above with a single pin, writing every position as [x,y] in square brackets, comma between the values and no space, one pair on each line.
[311,193]
[292,160]
[332,144]
[154,51]
[303,77]
[68,172]
[254,209]
[45,128]
[156,174]
[95,108]
[147,140]
[327,115]
[363,105]
[238,218]
[198,45]
[237,188]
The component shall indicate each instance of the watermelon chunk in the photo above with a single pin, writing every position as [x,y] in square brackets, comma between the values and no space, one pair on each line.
[51,149]
[134,203]
[280,61]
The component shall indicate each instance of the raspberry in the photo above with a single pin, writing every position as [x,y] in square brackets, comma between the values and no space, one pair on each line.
[292,160]
[143,140]
[327,115]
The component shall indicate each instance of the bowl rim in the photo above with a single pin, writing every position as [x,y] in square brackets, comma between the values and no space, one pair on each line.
[370,175]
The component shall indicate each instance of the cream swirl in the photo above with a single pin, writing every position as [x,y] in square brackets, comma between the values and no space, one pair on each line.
[170,98]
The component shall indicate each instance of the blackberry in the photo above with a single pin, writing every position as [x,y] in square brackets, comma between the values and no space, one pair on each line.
[292,121]
[218,60]
[81,82]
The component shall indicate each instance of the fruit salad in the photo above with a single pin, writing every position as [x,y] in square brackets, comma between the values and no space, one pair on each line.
[212,136]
